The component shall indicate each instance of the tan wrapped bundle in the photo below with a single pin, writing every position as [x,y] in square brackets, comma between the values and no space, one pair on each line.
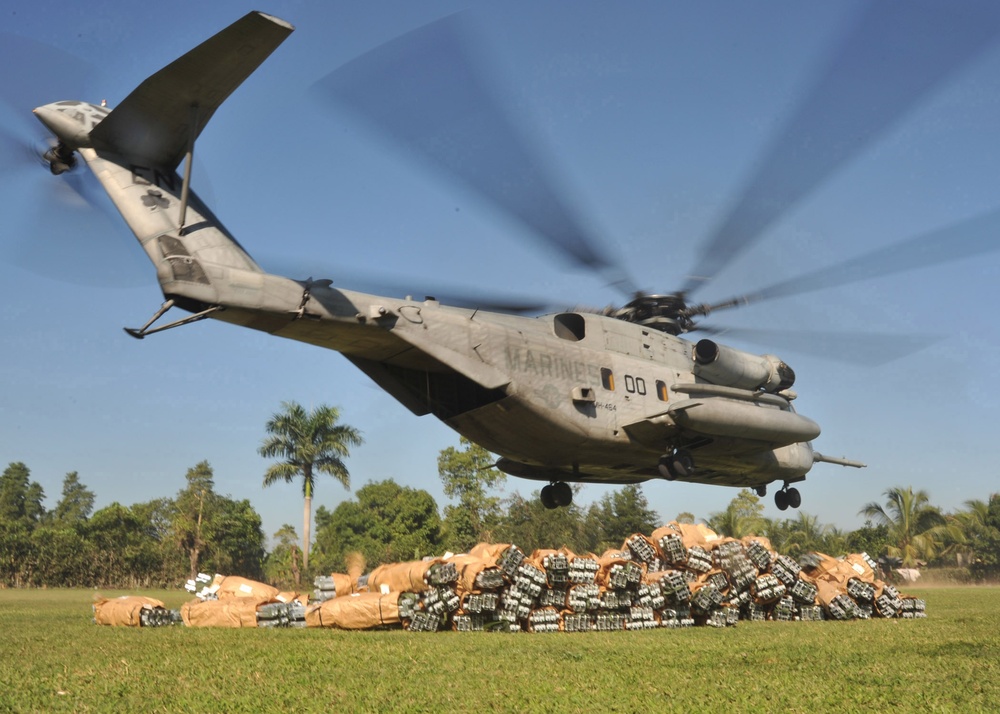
[763,540]
[409,577]
[834,571]
[233,586]
[344,584]
[862,569]
[698,534]
[123,611]
[234,612]
[489,551]
[363,611]
[290,596]
[470,568]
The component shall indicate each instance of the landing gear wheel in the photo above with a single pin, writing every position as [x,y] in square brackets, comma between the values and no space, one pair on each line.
[761,490]
[781,500]
[794,498]
[562,494]
[676,465]
[548,498]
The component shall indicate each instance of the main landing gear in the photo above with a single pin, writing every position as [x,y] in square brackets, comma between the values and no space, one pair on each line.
[787,498]
[556,495]
[676,465]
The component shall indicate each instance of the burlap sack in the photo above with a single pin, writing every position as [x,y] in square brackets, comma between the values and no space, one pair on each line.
[764,541]
[409,577]
[862,570]
[291,596]
[834,571]
[123,611]
[827,590]
[355,612]
[698,534]
[233,586]
[234,612]
[489,552]
[469,567]
[344,584]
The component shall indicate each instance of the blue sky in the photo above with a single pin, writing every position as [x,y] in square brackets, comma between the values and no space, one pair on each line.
[654,115]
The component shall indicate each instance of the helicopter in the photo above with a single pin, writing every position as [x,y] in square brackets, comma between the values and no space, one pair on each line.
[611,395]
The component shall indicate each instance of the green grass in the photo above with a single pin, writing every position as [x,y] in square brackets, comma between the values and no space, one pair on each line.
[52,658]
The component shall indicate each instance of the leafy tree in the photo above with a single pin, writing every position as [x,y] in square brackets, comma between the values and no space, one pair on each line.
[20,498]
[467,473]
[63,556]
[974,522]
[870,538]
[984,537]
[308,443]
[188,521]
[157,519]
[77,501]
[685,517]
[386,523]
[618,515]
[806,534]
[834,541]
[216,532]
[283,563]
[124,555]
[742,517]
[235,537]
[916,528]
[16,551]
[531,526]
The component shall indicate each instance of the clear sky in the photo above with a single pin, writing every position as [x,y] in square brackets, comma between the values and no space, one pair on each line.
[654,115]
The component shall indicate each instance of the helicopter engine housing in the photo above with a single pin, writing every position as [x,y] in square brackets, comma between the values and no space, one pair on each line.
[728,367]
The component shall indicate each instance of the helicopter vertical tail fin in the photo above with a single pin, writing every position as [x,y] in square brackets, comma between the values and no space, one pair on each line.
[136,149]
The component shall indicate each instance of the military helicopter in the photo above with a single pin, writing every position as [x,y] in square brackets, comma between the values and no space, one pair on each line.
[615,395]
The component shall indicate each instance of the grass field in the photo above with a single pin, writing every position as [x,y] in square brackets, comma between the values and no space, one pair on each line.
[52,658]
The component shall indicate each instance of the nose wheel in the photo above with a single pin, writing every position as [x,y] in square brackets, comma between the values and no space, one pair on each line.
[787,498]
[556,495]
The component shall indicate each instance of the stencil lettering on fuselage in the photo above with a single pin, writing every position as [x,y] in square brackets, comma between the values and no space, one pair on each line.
[543,364]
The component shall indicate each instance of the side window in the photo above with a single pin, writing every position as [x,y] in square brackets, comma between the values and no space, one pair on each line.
[661,391]
[607,379]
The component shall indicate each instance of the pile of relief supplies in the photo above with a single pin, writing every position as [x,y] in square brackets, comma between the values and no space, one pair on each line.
[681,575]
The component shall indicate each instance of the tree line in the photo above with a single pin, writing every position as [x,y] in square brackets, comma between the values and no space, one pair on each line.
[165,541]
[157,543]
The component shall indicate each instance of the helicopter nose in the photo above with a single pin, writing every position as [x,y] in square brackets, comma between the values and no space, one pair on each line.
[67,129]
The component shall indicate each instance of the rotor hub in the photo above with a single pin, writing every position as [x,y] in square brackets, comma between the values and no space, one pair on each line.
[666,313]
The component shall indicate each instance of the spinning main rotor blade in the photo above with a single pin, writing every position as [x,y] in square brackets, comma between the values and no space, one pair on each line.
[895,55]
[391,286]
[849,347]
[974,236]
[424,91]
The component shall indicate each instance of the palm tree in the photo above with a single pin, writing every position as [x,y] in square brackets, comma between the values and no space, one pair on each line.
[805,534]
[915,526]
[308,443]
[974,524]
[742,516]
